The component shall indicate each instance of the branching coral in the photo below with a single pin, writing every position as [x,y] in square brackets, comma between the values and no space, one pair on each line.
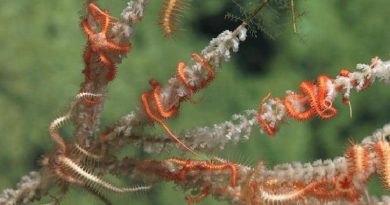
[340,180]
[84,158]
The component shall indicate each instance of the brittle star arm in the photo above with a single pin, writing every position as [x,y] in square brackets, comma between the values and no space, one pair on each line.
[88,118]
[272,113]
[37,184]
[217,51]
[333,180]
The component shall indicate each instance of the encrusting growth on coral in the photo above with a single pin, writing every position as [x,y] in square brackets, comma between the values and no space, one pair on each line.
[203,82]
[30,188]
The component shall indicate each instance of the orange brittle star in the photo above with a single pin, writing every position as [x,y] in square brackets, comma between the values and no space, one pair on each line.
[317,98]
[161,114]
[99,43]
[158,113]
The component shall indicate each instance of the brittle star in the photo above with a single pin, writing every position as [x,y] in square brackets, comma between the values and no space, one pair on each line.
[99,43]
[61,161]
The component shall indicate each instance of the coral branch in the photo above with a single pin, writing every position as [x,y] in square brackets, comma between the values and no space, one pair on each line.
[272,113]
[83,159]
[186,82]
[103,52]
[317,99]
[335,181]
[30,188]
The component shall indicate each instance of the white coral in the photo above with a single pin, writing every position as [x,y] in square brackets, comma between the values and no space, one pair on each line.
[26,190]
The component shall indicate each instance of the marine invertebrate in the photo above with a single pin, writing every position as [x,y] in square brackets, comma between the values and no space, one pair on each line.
[83,157]
[170,11]
[99,42]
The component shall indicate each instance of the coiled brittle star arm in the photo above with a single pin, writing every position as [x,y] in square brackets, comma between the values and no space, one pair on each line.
[317,99]
[332,180]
